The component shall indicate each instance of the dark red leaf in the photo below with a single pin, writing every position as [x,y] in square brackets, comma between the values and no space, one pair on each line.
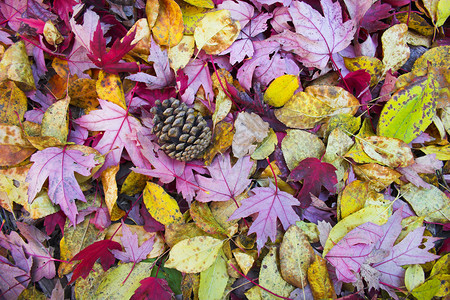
[89,255]
[315,174]
[153,288]
[52,220]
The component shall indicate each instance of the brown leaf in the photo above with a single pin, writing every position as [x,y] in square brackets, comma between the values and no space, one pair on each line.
[250,131]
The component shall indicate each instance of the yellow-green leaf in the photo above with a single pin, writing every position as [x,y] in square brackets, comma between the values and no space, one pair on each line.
[414,276]
[281,90]
[298,145]
[267,146]
[201,3]
[443,11]
[442,153]
[427,290]
[195,254]
[161,205]
[431,203]
[214,280]
[13,102]
[270,278]
[55,122]
[410,110]
[109,88]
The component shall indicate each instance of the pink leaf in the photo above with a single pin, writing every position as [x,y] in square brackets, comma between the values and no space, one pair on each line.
[59,166]
[271,204]
[317,37]
[349,254]
[226,182]
[133,252]
[119,133]
[198,73]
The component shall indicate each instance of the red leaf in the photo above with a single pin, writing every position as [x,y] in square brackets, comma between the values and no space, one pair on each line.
[50,222]
[109,60]
[315,174]
[89,255]
[153,288]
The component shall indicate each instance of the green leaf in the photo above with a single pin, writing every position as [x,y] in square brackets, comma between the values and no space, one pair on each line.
[410,110]
[214,280]
[427,290]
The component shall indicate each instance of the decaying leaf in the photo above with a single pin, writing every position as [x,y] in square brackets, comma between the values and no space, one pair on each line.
[250,131]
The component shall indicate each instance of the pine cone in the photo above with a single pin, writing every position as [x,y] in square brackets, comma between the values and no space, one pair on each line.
[182,134]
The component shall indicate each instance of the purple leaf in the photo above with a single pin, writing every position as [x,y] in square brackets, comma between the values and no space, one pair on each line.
[133,252]
[59,166]
[226,182]
[271,204]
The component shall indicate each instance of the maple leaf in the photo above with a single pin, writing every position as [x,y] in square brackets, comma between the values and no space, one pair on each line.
[99,250]
[59,166]
[271,204]
[164,74]
[133,252]
[153,288]
[226,182]
[64,8]
[315,174]
[198,75]
[119,133]
[316,37]
[371,20]
[267,63]
[50,222]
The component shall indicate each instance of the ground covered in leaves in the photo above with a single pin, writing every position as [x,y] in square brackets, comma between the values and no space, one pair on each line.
[326,175]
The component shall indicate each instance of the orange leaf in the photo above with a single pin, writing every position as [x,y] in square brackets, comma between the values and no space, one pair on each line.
[168,28]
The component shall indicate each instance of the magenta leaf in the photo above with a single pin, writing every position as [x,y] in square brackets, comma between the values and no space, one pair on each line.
[198,75]
[59,166]
[133,252]
[120,131]
[100,251]
[271,204]
[226,182]
[314,174]
[153,288]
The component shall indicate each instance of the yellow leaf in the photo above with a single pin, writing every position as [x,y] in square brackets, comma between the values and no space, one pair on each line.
[152,11]
[134,184]
[443,12]
[180,54]
[161,205]
[416,23]
[220,142]
[352,198]
[55,122]
[201,3]
[319,280]
[298,145]
[245,259]
[15,66]
[395,49]
[109,88]
[414,276]
[168,28]
[14,147]
[281,90]
[175,233]
[371,65]
[216,32]
[431,203]
[223,107]
[390,152]
[306,109]
[270,278]
[109,183]
[191,16]
[442,153]
[82,93]
[13,103]
[346,122]
[374,213]
[378,176]
[442,266]
[427,290]
[51,34]
[214,280]
[296,255]
[195,254]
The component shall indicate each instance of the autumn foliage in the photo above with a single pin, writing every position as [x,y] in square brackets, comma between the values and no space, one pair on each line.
[326,176]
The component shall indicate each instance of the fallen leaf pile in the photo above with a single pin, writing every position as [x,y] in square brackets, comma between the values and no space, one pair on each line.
[327,175]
